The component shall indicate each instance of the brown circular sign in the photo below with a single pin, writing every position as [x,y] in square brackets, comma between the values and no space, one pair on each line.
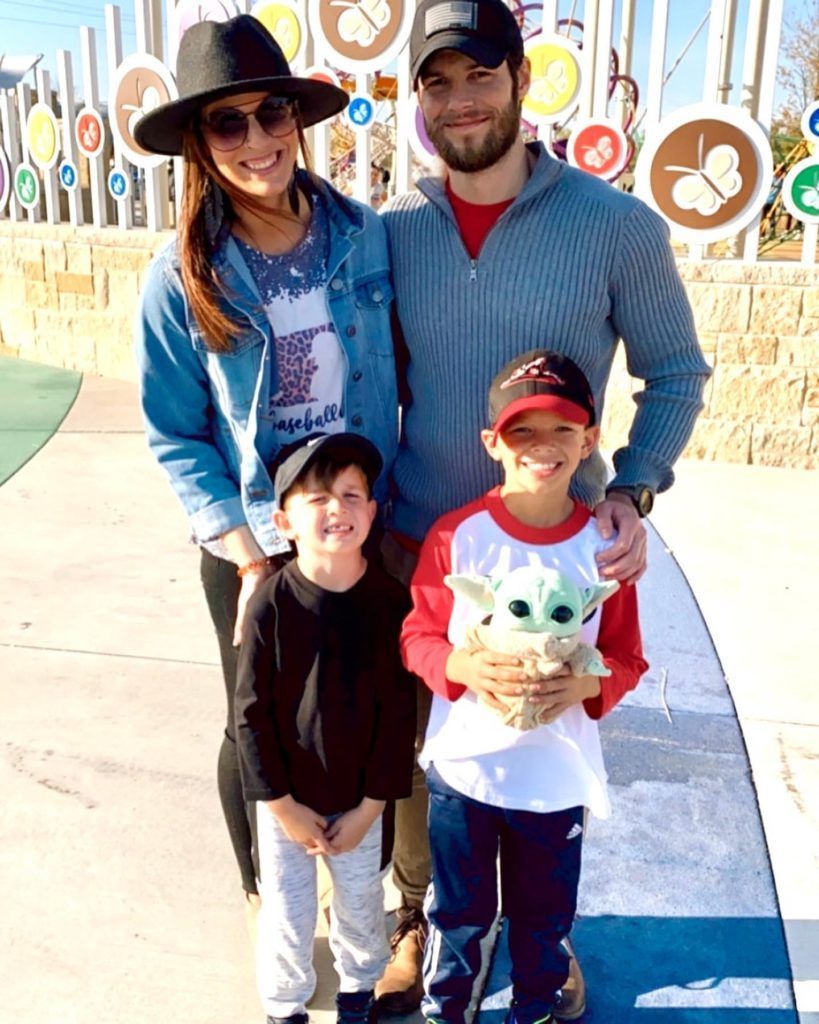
[362,35]
[706,169]
[142,83]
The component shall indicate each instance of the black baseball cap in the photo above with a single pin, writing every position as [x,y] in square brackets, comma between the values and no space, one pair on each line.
[485,30]
[294,460]
[540,379]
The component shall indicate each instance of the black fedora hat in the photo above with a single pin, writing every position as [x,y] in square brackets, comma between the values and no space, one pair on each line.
[217,58]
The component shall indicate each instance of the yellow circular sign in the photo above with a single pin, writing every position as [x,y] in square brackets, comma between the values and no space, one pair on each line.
[282,22]
[42,136]
[555,78]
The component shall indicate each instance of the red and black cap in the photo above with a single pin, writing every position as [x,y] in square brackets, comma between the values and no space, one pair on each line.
[485,30]
[540,379]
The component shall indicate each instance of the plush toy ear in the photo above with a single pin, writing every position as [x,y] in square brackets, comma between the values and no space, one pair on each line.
[596,594]
[477,589]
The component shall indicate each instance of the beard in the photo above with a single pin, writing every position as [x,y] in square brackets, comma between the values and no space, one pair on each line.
[471,158]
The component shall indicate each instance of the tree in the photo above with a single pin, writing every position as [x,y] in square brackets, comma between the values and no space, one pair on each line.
[798,75]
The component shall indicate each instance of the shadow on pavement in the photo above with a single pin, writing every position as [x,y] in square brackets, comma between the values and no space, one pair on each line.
[652,970]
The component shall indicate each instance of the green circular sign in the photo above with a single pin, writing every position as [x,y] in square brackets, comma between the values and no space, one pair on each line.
[800,191]
[26,186]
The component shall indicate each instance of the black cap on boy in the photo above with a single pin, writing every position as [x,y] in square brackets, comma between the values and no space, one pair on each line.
[295,459]
[540,379]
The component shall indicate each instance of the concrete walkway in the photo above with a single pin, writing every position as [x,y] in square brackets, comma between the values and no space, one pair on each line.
[120,902]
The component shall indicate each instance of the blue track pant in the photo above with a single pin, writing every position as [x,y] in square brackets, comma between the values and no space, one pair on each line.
[539,873]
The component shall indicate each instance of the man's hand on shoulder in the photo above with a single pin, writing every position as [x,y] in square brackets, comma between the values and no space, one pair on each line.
[625,560]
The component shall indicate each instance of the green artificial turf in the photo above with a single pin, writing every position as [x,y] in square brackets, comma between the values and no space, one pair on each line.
[34,400]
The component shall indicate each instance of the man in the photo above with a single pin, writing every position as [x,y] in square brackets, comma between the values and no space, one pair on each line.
[512,250]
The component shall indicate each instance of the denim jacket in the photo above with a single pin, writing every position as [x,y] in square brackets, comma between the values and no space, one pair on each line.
[205,411]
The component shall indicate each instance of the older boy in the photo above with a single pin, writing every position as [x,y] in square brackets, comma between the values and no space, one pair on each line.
[492,788]
[325,718]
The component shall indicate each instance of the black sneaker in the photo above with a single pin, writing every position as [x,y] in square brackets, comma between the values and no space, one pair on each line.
[294,1018]
[355,1008]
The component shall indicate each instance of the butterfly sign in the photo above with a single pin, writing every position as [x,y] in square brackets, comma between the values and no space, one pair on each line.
[42,136]
[709,185]
[140,84]
[5,180]
[118,184]
[360,111]
[800,191]
[361,36]
[89,132]
[598,146]
[283,20]
[556,78]
[810,122]
[190,12]
[26,186]
[68,175]
[419,141]
[706,169]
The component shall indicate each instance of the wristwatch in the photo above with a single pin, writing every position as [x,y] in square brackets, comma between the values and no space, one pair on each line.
[642,497]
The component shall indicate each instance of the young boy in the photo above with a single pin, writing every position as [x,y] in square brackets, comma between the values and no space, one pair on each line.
[494,788]
[325,715]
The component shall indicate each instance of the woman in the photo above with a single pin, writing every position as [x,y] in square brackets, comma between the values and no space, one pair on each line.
[267,319]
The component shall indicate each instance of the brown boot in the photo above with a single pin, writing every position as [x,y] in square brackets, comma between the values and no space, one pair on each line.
[401,988]
[571,999]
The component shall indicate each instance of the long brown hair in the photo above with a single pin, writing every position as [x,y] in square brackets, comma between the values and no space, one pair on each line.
[201,283]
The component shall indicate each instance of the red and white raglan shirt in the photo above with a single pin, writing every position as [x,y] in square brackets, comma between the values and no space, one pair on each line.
[554,766]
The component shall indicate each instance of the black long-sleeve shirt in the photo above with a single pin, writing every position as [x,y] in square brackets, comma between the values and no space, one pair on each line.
[325,710]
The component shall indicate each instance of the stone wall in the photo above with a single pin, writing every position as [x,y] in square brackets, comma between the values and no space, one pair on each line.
[67,298]
[759,329]
[67,295]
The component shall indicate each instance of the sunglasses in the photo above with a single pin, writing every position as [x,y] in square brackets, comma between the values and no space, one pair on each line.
[226,128]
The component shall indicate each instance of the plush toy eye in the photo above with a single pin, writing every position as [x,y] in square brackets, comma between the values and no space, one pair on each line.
[520,609]
[563,613]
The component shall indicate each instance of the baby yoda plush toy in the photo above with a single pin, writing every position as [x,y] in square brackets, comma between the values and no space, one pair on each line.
[536,614]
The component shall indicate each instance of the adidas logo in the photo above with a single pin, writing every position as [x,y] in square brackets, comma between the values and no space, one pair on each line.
[575,831]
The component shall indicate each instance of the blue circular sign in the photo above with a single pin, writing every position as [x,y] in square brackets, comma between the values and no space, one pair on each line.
[813,123]
[810,122]
[118,184]
[69,177]
[361,111]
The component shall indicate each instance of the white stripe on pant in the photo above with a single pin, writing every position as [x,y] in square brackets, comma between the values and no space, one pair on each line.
[285,975]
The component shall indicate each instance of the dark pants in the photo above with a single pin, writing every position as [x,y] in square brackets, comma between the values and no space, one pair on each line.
[221,586]
[410,857]
[539,869]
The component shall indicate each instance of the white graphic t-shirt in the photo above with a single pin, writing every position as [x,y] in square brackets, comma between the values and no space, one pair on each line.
[311,362]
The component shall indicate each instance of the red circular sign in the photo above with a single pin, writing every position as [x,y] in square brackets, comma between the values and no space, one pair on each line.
[599,148]
[90,132]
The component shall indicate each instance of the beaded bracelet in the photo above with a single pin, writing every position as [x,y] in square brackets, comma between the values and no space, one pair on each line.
[257,563]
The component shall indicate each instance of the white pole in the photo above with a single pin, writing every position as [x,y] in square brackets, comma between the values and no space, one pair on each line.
[403,176]
[11,138]
[588,58]
[764,59]
[155,215]
[23,107]
[96,171]
[605,21]
[52,199]
[362,151]
[113,46]
[656,65]
[70,151]
[714,51]
[726,63]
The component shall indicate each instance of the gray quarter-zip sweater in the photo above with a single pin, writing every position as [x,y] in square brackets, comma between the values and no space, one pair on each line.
[572,265]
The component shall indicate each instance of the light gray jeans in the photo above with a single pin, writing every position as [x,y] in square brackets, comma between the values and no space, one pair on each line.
[285,974]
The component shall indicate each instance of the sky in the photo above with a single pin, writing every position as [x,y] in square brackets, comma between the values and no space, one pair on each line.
[45,26]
